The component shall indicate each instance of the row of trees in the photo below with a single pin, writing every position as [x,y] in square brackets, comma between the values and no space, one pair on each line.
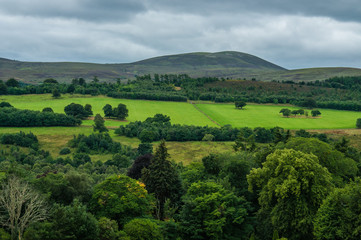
[287,112]
[12,117]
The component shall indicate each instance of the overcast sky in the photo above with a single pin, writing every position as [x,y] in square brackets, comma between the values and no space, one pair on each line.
[292,34]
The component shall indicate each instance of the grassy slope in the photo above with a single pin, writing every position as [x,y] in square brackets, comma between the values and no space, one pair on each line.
[309,74]
[268,116]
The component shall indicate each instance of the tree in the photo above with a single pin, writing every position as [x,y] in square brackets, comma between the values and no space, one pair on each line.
[108,229]
[336,163]
[120,198]
[358,123]
[66,222]
[286,113]
[315,113]
[108,110]
[144,229]
[3,88]
[99,124]
[143,161]
[12,82]
[48,109]
[76,110]
[56,93]
[21,206]
[50,81]
[240,104]
[309,103]
[162,179]
[5,104]
[339,217]
[212,212]
[120,112]
[88,109]
[292,186]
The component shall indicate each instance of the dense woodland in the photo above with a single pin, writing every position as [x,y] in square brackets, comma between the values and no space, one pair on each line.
[294,187]
[275,184]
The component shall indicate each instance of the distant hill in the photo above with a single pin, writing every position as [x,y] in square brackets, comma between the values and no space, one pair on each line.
[235,65]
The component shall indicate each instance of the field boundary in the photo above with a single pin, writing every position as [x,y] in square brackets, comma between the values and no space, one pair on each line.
[196,107]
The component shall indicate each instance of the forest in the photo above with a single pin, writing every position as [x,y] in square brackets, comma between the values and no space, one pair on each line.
[273,184]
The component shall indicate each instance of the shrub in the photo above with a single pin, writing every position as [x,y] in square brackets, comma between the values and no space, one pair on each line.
[64,151]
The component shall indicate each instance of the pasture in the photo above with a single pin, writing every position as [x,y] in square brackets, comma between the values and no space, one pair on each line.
[53,139]
[268,116]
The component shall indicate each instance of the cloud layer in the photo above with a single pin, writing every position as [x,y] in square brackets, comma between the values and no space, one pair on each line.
[293,34]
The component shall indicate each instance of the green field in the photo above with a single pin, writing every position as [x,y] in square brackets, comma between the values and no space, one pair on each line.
[268,116]
[139,110]
[53,139]
[184,113]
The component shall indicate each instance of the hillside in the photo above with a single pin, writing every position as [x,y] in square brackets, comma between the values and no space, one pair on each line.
[235,65]
[222,64]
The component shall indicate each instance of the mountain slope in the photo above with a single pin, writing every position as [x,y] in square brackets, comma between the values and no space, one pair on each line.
[234,65]
[221,64]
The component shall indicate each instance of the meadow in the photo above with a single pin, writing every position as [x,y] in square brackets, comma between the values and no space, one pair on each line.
[268,116]
[53,139]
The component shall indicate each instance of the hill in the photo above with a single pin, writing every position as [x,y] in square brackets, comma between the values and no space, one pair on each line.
[222,64]
[234,65]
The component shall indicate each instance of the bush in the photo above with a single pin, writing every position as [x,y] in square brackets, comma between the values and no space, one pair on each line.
[358,123]
[64,151]
[143,229]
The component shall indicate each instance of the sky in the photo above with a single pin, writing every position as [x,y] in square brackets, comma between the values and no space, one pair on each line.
[289,33]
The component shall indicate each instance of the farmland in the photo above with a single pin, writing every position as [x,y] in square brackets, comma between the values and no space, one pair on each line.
[184,113]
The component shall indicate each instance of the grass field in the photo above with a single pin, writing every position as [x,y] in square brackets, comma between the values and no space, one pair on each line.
[268,116]
[180,112]
[53,139]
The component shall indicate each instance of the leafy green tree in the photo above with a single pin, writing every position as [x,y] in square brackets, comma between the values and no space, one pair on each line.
[145,148]
[315,113]
[56,93]
[4,235]
[358,123]
[309,103]
[48,109]
[108,229]
[3,88]
[88,109]
[69,222]
[76,110]
[120,112]
[5,104]
[292,186]
[162,179]
[212,212]
[240,104]
[143,229]
[286,113]
[50,81]
[12,82]
[108,110]
[120,198]
[336,163]
[339,217]
[99,124]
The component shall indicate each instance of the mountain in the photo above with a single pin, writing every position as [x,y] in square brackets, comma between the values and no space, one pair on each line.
[235,65]
[222,64]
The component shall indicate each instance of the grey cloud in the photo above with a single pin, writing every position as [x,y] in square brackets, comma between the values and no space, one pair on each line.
[88,10]
[346,10]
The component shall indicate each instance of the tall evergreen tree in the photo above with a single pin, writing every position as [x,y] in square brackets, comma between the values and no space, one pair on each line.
[162,179]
